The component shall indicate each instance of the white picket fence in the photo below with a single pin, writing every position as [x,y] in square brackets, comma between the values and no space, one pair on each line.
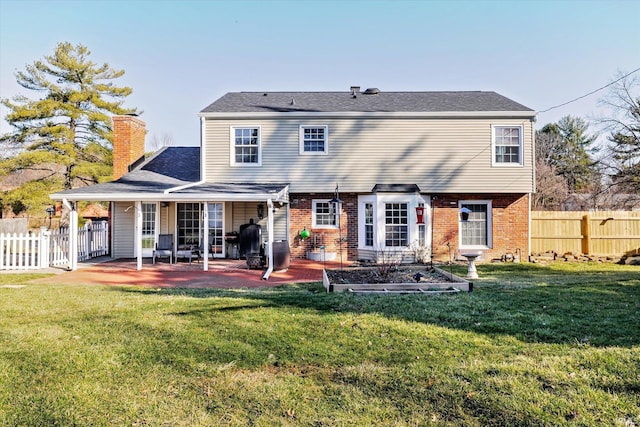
[51,248]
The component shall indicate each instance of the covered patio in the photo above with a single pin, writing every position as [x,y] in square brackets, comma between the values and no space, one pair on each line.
[222,273]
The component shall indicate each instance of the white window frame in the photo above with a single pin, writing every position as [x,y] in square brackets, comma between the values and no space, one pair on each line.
[379,230]
[489,244]
[301,140]
[314,224]
[232,148]
[494,146]
[365,224]
[407,226]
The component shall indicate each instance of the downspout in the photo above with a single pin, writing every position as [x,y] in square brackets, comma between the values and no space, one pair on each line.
[433,214]
[267,273]
[73,234]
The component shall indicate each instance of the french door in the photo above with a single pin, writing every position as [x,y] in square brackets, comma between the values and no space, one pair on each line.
[191,228]
[149,228]
[216,228]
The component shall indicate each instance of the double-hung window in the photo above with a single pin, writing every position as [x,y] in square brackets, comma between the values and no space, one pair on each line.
[246,146]
[507,145]
[313,139]
[475,232]
[396,219]
[325,214]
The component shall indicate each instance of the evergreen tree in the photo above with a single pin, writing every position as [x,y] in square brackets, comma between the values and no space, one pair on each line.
[70,124]
[568,150]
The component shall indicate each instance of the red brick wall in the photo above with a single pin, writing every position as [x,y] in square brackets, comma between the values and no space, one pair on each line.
[128,143]
[301,216]
[510,219]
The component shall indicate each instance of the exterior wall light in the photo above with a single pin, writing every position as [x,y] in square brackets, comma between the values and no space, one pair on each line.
[50,211]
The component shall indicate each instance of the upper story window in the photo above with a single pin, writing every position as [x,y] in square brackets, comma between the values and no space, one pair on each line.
[507,145]
[246,146]
[313,139]
[324,214]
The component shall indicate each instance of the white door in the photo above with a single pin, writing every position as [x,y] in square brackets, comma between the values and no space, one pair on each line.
[216,228]
[149,227]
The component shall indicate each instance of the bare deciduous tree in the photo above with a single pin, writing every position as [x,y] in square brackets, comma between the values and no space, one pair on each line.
[623,125]
[157,142]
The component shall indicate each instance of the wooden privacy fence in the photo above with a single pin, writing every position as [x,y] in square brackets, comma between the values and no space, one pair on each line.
[614,233]
[24,251]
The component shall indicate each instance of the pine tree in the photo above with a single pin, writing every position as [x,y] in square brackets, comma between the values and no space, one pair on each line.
[569,150]
[70,124]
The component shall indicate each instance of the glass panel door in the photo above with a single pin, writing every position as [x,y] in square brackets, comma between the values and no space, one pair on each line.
[149,218]
[188,225]
[216,229]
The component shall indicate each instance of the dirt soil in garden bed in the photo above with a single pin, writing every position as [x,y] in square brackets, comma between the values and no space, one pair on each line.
[401,274]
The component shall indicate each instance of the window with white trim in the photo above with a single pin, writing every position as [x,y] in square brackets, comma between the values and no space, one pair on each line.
[324,214]
[475,232]
[313,139]
[368,224]
[396,219]
[245,146]
[507,145]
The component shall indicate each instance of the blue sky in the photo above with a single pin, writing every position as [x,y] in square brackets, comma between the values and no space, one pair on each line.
[179,56]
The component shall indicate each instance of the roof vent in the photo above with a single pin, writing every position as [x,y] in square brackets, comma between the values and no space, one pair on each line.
[293,101]
[372,91]
[355,90]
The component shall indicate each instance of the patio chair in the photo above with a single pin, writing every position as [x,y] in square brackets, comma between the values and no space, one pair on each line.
[200,251]
[164,248]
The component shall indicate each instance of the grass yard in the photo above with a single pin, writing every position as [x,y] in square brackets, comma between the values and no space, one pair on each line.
[531,346]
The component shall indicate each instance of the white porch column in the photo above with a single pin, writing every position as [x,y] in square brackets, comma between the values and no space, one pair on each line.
[205,237]
[138,235]
[73,235]
[267,273]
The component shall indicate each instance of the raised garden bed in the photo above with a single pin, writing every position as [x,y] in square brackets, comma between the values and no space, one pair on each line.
[418,279]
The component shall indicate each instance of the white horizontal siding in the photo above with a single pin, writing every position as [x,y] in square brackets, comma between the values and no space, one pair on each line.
[243,212]
[439,155]
[123,230]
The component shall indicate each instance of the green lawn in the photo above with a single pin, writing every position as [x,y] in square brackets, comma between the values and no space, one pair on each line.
[531,346]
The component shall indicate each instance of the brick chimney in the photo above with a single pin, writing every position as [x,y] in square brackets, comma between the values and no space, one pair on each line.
[128,143]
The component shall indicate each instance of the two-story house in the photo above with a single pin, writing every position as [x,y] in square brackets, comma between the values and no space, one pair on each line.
[435,173]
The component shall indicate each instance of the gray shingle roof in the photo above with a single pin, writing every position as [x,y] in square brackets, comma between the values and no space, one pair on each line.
[239,102]
[171,167]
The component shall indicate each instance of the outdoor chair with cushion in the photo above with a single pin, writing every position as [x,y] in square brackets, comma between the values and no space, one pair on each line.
[164,248]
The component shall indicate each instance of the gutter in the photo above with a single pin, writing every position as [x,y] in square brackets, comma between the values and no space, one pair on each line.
[267,273]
